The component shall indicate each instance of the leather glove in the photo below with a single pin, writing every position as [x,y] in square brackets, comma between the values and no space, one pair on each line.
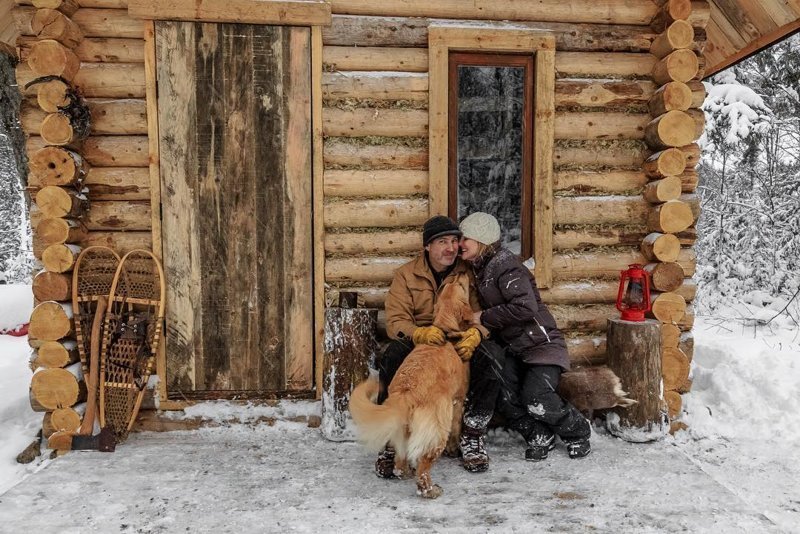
[470,339]
[428,335]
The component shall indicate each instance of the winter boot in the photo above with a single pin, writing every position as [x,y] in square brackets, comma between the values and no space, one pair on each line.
[539,447]
[473,450]
[578,448]
[384,465]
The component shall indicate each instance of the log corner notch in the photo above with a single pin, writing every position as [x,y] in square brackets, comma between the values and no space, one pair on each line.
[677,123]
[277,12]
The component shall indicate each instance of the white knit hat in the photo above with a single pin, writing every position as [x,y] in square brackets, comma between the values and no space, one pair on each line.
[481,227]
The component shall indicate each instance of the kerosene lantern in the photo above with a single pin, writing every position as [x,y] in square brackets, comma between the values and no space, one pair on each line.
[633,298]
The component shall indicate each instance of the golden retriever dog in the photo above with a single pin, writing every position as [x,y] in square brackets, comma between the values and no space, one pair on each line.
[426,397]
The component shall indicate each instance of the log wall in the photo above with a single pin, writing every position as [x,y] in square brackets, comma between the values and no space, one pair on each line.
[374,87]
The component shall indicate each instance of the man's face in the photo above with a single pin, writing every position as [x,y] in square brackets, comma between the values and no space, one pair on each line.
[442,252]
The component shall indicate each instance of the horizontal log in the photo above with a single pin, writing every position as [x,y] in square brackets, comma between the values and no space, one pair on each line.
[96,49]
[668,307]
[583,318]
[56,354]
[338,153]
[50,58]
[676,36]
[384,31]
[671,11]
[374,183]
[670,335]
[51,321]
[610,11]
[61,129]
[669,162]
[55,166]
[383,213]
[670,217]
[573,267]
[692,152]
[102,4]
[370,58]
[608,181]
[375,85]
[586,350]
[668,188]
[698,90]
[600,125]
[597,236]
[661,247]
[560,293]
[382,242]
[674,404]
[674,368]
[686,344]
[672,129]
[281,12]
[627,65]
[60,420]
[670,96]
[590,154]
[60,258]
[117,216]
[108,151]
[600,209]
[55,201]
[52,24]
[52,286]
[689,181]
[53,95]
[67,7]
[51,231]
[665,276]
[602,93]
[380,122]
[99,80]
[121,242]
[679,66]
[111,183]
[109,117]
[57,388]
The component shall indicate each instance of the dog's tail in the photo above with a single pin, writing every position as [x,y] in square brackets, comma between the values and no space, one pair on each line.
[376,424]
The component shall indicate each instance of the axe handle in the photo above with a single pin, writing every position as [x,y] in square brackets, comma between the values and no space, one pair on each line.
[87,426]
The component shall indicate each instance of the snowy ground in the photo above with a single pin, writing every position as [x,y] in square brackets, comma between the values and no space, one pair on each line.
[734,471]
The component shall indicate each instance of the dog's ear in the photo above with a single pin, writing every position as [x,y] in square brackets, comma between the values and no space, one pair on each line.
[466,314]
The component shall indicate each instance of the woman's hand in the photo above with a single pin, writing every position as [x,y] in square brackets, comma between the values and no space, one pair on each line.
[476,317]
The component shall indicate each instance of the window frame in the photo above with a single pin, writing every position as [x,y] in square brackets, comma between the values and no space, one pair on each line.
[444,38]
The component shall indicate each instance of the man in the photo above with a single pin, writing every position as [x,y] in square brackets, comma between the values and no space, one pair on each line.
[409,314]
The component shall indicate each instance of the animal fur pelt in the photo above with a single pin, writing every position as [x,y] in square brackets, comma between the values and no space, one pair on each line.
[426,397]
[593,388]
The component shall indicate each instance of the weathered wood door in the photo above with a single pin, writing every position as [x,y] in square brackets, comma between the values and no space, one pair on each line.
[234,110]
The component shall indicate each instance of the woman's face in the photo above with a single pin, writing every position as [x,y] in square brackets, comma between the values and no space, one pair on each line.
[469,249]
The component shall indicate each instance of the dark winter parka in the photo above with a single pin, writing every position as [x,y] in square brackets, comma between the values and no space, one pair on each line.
[513,309]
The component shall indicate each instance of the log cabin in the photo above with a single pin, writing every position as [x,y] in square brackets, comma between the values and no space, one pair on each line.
[278,153]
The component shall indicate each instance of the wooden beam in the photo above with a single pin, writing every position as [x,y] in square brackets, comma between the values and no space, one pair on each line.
[754,47]
[318,222]
[278,12]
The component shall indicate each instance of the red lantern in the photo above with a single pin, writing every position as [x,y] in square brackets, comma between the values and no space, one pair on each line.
[633,298]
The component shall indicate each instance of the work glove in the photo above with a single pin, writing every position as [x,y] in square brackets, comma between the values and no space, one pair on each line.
[470,339]
[428,335]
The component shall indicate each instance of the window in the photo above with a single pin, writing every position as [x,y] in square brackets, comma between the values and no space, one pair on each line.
[490,142]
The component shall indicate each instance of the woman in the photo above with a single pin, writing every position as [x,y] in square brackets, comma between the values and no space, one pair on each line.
[537,352]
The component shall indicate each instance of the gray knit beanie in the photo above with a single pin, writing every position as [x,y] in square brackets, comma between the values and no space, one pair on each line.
[481,227]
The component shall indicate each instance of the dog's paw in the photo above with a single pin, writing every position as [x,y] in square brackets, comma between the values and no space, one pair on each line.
[430,493]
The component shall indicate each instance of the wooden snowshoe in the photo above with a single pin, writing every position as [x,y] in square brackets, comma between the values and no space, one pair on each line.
[130,339]
[92,279]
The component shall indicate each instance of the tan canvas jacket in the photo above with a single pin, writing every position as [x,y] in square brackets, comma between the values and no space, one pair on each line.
[409,303]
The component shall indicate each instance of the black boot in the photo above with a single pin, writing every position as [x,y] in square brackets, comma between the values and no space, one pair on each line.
[384,465]
[473,450]
[578,448]
[539,446]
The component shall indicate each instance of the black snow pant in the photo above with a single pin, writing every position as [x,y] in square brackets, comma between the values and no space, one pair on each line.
[485,371]
[530,404]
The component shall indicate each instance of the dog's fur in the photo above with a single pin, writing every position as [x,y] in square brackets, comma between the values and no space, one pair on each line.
[593,388]
[426,397]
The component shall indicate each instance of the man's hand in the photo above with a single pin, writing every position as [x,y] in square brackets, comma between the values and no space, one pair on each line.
[428,335]
[470,339]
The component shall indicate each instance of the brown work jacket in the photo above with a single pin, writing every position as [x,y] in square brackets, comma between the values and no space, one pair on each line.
[409,303]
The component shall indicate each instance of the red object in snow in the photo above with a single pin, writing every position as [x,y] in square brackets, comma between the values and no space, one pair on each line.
[21,330]
[633,297]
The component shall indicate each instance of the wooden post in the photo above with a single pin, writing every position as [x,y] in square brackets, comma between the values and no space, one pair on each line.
[634,354]
[350,348]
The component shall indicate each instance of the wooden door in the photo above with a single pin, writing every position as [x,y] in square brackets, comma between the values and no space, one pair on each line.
[234,109]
